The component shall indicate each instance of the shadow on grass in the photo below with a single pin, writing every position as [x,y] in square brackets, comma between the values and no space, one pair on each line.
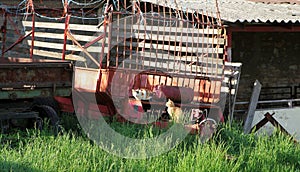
[12,166]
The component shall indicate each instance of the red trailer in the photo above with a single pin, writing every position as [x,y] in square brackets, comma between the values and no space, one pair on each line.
[168,53]
[164,52]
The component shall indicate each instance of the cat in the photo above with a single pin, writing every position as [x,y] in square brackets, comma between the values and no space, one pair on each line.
[142,94]
[175,112]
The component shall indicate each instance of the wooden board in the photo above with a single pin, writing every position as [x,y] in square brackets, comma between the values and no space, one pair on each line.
[54,25]
[57,55]
[59,46]
[60,36]
[183,48]
[150,28]
[165,56]
[197,40]
[252,107]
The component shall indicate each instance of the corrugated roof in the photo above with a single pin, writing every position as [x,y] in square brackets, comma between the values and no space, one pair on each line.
[278,1]
[240,10]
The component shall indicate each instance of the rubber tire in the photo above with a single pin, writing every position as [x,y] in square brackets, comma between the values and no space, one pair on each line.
[47,112]
[49,101]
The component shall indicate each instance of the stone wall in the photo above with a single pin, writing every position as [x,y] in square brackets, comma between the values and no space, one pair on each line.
[273,58]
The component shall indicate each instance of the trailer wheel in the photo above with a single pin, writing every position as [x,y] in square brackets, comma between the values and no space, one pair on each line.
[47,113]
[49,101]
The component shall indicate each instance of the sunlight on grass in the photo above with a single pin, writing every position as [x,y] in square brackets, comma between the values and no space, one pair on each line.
[229,150]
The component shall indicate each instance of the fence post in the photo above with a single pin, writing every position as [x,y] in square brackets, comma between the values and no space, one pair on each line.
[252,107]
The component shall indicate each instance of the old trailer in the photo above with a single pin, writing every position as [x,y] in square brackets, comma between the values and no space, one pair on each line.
[170,52]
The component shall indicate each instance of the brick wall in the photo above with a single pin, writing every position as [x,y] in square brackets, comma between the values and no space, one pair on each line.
[273,58]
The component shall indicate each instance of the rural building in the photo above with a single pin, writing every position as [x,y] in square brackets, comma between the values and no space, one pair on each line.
[263,35]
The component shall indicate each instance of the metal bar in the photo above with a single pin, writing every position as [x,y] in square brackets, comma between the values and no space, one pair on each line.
[110,25]
[180,42]
[235,94]
[4,30]
[32,34]
[270,101]
[164,29]
[105,22]
[169,42]
[118,31]
[84,50]
[138,38]
[16,29]
[18,41]
[67,20]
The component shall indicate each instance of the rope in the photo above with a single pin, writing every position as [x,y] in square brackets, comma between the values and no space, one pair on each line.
[84,4]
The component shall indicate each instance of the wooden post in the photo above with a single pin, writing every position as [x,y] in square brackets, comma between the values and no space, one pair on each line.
[252,107]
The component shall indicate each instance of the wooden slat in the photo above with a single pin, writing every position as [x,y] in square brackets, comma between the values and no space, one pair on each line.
[165,56]
[57,55]
[50,35]
[167,36]
[177,48]
[196,40]
[166,29]
[141,36]
[59,46]
[47,35]
[54,25]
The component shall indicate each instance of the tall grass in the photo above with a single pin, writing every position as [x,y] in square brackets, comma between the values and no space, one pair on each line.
[229,150]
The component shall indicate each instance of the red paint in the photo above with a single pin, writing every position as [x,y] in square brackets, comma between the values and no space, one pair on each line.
[67,19]
[65,104]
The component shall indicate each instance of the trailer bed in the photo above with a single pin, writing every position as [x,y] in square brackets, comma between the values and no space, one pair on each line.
[22,78]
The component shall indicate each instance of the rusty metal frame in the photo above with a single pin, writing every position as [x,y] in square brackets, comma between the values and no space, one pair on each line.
[30,7]
[21,38]
[3,30]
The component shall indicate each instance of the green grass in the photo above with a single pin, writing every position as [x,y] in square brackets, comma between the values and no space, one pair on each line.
[229,150]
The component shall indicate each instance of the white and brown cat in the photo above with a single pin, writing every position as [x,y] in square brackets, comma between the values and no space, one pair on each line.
[142,94]
[174,111]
